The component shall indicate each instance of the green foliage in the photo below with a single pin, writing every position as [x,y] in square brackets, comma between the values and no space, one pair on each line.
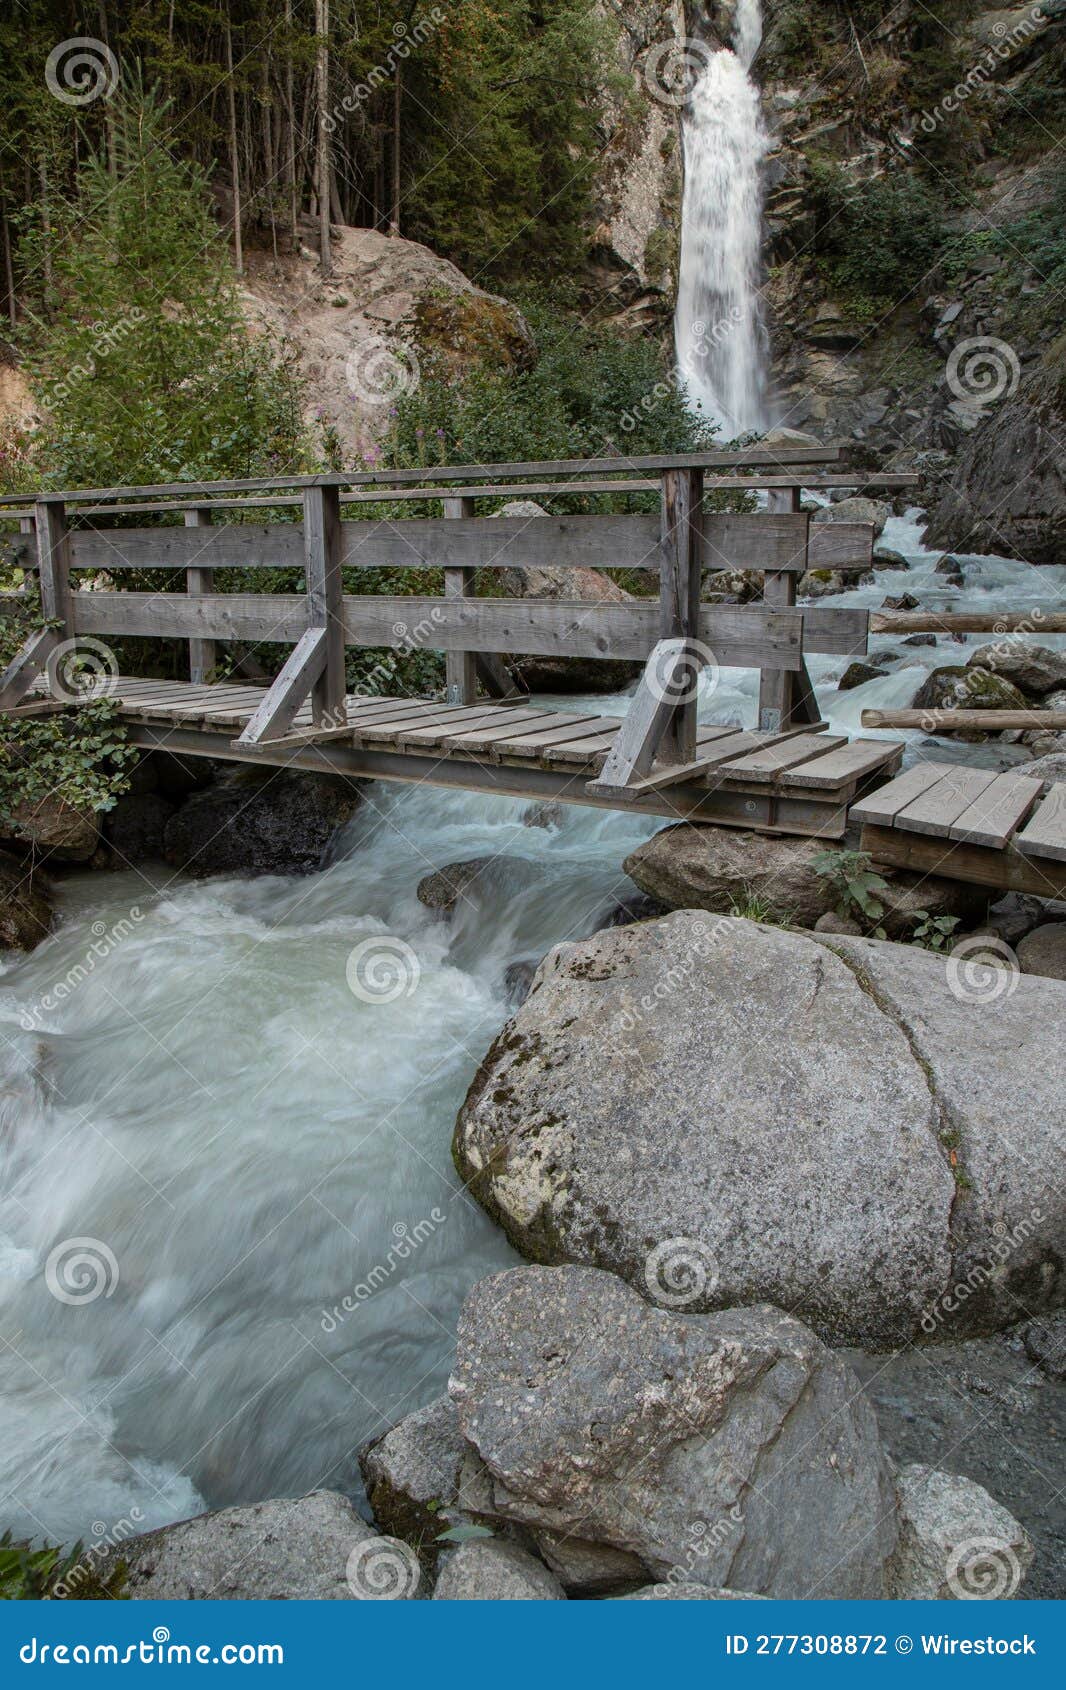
[933,931]
[878,239]
[465,1533]
[136,347]
[47,1575]
[79,757]
[753,907]
[857,887]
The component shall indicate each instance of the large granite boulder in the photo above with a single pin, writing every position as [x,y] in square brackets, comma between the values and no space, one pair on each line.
[1032,668]
[954,687]
[857,508]
[493,1571]
[721,868]
[25,905]
[310,1548]
[720,1448]
[722,1112]
[260,821]
[955,1541]
[56,831]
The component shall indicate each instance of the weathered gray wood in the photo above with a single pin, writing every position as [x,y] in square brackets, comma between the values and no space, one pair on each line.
[840,545]
[222,616]
[323,554]
[881,808]
[776,692]
[679,601]
[936,810]
[303,667]
[29,662]
[554,732]
[1045,834]
[948,720]
[770,761]
[1008,869]
[435,733]
[198,581]
[998,811]
[460,667]
[847,765]
[828,628]
[479,741]
[234,545]
[53,556]
[496,679]
[669,675]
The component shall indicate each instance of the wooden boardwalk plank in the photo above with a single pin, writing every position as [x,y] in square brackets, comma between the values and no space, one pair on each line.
[1045,834]
[883,806]
[848,763]
[534,741]
[483,739]
[936,809]
[493,715]
[771,760]
[1000,809]
[384,728]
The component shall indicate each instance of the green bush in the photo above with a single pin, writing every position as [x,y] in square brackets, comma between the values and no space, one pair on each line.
[877,240]
[49,1575]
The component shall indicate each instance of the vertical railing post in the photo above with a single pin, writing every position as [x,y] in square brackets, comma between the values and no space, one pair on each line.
[53,562]
[679,594]
[460,673]
[200,580]
[784,695]
[323,554]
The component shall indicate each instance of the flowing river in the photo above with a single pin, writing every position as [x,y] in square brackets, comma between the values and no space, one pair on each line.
[245,1141]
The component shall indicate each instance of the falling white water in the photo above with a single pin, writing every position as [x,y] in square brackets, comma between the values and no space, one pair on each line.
[717,326]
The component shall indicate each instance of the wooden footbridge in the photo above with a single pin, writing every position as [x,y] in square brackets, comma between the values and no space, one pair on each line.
[788,775]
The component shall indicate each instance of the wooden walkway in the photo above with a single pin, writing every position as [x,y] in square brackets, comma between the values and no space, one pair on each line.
[1003,830]
[795,781]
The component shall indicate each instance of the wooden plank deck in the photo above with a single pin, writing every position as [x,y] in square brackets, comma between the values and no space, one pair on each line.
[1004,830]
[791,781]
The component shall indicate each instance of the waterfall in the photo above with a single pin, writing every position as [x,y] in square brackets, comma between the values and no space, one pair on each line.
[717,326]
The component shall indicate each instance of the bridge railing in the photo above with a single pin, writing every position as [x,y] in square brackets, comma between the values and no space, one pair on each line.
[66,534]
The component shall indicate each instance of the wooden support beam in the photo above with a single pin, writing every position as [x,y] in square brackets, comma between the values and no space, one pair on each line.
[681,550]
[785,697]
[460,668]
[1008,869]
[1035,623]
[305,665]
[28,663]
[936,720]
[496,678]
[53,557]
[199,581]
[667,685]
[323,551]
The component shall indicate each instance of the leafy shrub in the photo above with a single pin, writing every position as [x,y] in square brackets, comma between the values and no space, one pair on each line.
[876,239]
[47,1575]
[858,888]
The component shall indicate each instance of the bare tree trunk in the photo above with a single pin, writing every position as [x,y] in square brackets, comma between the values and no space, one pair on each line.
[9,267]
[322,93]
[109,127]
[46,226]
[397,98]
[234,158]
[290,101]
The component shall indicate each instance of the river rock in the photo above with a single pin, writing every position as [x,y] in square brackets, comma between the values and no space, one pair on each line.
[443,889]
[956,688]
[1045,1343]
[857,508]
[55,830]
[955,1541]
[493,1571]
[698,1444]
[719,868]
[413,1470]
[260,821]
[1051,766]
[740,586]
[309,1548]
[858,673]
[886,558]
[710,1109]
[1032,668]
[1043,951]
[25,905]
[824,583]
[135,828]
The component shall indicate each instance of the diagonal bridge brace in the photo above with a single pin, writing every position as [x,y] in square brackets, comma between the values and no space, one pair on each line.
[667,684]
